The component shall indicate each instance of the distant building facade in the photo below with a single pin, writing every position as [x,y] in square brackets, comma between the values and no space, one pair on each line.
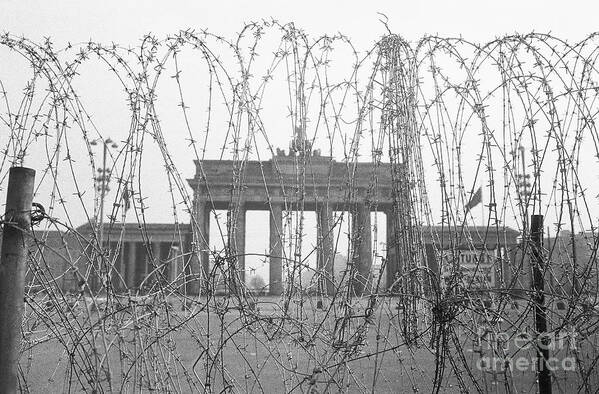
[140,259]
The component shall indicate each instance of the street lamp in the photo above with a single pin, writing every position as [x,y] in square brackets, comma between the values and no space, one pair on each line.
[523,186]
[102,181]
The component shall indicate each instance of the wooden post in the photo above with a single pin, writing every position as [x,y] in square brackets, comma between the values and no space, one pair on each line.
[542,342]
[12,272]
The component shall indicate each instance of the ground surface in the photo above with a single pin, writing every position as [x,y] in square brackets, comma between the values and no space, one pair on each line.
[257,349]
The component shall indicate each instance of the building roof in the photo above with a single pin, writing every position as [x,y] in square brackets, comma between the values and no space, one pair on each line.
[476,235]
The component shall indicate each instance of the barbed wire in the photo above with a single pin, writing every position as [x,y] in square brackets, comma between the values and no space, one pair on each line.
[514,117]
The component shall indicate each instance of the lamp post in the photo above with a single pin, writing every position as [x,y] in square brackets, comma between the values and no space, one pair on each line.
[102,181]
[522,187]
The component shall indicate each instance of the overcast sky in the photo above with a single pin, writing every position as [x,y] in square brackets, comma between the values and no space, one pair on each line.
[126,22]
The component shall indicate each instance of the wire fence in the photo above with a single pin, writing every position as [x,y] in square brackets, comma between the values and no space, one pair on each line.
[392,249]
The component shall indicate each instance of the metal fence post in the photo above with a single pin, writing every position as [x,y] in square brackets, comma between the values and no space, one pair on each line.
[17,222]
[538,287]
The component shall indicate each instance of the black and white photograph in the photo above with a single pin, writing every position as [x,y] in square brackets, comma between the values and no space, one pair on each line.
[299,197]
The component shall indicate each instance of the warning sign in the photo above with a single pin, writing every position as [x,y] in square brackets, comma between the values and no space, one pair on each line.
[475,267]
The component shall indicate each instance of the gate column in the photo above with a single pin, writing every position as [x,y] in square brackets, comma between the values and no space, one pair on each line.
[361,235]
[200,264]
[392,259]
[237,247]
[275,281]
[326,250]
[131,265]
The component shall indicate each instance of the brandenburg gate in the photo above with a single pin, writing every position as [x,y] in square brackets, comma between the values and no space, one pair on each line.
[301,180]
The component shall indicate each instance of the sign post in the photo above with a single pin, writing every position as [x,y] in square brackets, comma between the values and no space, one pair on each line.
[536,238]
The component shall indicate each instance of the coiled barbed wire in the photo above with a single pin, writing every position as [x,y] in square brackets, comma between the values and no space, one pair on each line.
[449,116]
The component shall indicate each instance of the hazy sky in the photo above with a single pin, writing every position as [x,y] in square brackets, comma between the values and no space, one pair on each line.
[126,22]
